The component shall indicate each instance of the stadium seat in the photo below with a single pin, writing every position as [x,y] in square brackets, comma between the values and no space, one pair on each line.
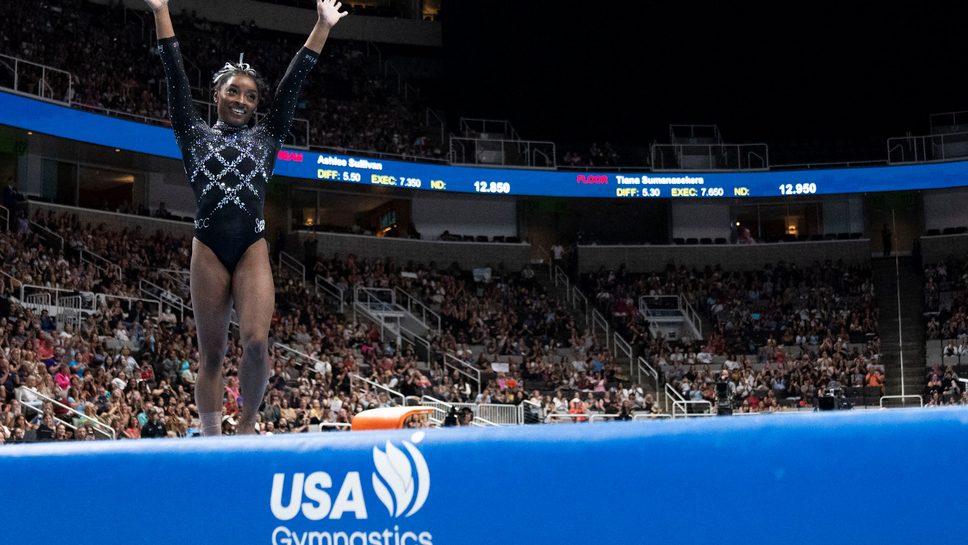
[679,241]
[705,241]
[948,231]
[789,238]
[843,236]
[481,238]
[932,233]
[816,238]
[961,230]
[468,238]
[692,241]
[513,240]
[497,238]
[855,236]
[830,236]
[721,240]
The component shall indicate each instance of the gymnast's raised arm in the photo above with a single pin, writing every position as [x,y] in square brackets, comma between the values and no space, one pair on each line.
[181,110]
[329,15]
[283,109]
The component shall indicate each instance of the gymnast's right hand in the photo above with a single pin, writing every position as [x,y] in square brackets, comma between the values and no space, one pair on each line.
[156,5]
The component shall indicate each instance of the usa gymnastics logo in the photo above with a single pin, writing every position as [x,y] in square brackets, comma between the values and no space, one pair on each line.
[396,471]
[401,482]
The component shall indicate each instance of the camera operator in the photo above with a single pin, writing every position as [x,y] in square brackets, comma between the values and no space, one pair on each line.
[725,391]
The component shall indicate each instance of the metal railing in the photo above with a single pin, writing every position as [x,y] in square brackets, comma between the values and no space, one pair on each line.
[561,279]
[670,308]
[710,157]
[501,415]
[13,283]
[4,218]
[411,303]
[298,354]
[100,263]
[180,279]
[673,395]
[500,152]
[338,426]
[474,125]
[621,346]
[580,303]
[101,300]
[289,261]
[33,79]
[442,408]
[535,409]
[639,416]
[465,369]
[645,367]
[902,398]
[933,148]
[331,289]
[691,316]
[681,408]
[432,118]
[368,312]
[163,296]
[574,418]
[599,322]
[416,340]
[98,426]
[386,389]
[52,238]
[70,312]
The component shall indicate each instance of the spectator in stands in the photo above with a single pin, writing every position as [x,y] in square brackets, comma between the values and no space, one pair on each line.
[887,239]
[745,237]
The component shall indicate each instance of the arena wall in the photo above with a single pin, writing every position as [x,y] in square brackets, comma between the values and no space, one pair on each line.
[649,258]
[467,254]
[945,208]
[118,221]
[939,248]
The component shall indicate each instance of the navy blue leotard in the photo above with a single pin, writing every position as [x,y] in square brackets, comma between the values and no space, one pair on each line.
[229,167]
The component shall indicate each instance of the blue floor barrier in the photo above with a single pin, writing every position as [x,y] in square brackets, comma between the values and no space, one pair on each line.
[853,477]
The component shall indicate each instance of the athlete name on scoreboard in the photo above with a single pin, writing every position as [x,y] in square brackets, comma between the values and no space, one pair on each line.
[329,160]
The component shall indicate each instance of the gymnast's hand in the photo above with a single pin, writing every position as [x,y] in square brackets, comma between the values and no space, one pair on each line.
[156,5]
[328,10]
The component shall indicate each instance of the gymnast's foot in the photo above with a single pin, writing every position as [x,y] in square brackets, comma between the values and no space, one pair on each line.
[246,428]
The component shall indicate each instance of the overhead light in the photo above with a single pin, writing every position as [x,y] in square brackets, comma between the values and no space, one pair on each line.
[737,224]
[117,149]
[30,132]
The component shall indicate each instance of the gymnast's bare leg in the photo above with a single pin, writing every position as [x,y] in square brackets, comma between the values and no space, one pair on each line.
[255,300]
[211,288]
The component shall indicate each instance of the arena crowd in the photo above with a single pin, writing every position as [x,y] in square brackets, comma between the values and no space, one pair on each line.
[116,71]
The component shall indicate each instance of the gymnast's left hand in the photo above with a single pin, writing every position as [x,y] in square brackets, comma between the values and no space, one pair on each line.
[329,13]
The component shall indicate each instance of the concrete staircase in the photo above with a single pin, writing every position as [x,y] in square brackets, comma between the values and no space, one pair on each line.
[886,280]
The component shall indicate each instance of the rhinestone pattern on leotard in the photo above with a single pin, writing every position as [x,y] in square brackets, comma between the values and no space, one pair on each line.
[229,167]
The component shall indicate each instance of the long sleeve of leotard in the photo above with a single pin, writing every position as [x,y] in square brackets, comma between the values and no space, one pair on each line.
[279,120]
[181,110]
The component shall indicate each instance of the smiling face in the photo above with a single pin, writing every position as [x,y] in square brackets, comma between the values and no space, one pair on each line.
[237,98]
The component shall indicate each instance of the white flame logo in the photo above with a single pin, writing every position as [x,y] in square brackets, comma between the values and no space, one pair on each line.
[396,471]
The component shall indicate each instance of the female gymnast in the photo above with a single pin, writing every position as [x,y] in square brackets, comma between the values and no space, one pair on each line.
[229,165]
